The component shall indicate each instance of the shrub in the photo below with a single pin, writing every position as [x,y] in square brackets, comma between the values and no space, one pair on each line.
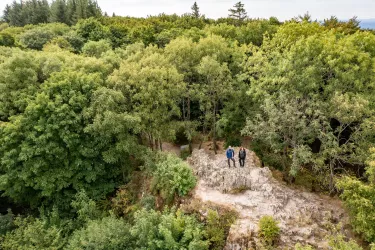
[185,153]
[6,40]
[33,234]
[123,202]
[298,246]
[75,41]
[96,49]
[61,42]
[92,29]
[215,230]
[172,177]
[167,230]
[338,242]
[6,222]
[148,202]
[232,141]
[268,229]
[85,208]
[36,38]
[108,233]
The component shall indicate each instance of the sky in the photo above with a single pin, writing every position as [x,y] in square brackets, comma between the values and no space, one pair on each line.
[282,9]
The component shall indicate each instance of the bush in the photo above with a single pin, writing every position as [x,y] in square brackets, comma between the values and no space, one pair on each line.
[61,42]
[96,49]
[36,38]
[6,222]
[298,246]
[266,155]
[123,202]
[232,141]
[6,40]
[214,230]
[92,29]
[33,234]
[172,177]
[148,202]
[108,233]
[167,230]
[75,41]
[338,242]
[268,229]
[359,199]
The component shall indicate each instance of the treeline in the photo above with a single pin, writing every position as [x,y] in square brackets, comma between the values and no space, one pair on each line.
[84,110]
[40,11]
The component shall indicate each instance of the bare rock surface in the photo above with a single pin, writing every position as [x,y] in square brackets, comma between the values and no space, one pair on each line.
[303,217]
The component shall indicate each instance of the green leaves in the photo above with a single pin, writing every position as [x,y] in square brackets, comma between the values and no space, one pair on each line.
[65,141]
[18,84]
[172,177]
[152,88]
[309,85]
[359,198]
[169,230]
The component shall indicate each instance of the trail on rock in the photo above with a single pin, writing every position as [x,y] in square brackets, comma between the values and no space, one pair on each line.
[303,217]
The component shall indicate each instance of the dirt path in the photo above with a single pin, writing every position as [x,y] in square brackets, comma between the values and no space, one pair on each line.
[304,217]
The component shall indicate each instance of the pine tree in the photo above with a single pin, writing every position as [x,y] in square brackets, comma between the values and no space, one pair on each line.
[93,9]
[72,11]
[59,12]
[15,15]
[6,14]
[238,12]
[195,10]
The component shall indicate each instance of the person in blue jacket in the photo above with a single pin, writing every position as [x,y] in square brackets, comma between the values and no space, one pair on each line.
[230,156]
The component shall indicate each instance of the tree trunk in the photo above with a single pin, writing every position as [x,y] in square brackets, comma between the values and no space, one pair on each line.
[156,144]
[331,175]
[214,129]
[161,145]
[189,130]
[150,140]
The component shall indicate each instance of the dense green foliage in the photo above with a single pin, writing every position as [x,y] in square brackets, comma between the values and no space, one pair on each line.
[86,101]
[40,11]
[172,177]
[269,229]
[359,197]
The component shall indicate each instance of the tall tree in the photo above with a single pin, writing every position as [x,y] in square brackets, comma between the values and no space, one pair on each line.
[6,14]
[195,10]
[153,87]
[59,12]
[74,135]
[72,11]
[16,14]
[216,83]
[238,12]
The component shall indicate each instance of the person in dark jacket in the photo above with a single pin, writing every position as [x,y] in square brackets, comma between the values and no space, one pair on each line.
[242,156]
[230,156]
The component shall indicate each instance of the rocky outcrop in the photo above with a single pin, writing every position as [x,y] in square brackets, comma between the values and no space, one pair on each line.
[303,217]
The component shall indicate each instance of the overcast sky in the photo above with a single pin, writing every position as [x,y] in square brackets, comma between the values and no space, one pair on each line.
[282,9]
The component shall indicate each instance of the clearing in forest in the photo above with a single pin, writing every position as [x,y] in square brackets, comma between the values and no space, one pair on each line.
[252,191]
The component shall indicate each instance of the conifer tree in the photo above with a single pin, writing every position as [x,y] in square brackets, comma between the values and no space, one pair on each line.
[6,14]
[238,12]
[59,12]
[195,10]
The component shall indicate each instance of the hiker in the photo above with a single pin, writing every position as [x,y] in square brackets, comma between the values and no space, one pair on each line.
[242,156]
[230,156]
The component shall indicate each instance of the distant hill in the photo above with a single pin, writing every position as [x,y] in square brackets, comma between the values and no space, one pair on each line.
[368,24]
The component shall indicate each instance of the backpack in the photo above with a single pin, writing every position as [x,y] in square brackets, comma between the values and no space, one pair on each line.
[242,153]
[230,153]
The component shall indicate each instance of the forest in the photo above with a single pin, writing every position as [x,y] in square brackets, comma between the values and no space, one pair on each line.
[87,100]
